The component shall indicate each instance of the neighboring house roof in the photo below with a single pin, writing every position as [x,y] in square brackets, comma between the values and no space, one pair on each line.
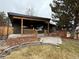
[11,14]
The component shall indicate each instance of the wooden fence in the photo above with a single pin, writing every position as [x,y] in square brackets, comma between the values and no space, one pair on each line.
[5,30]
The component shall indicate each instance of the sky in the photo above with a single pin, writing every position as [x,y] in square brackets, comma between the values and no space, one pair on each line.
[39,7]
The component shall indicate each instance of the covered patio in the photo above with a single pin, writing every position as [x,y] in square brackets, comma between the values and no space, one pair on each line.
[24,24]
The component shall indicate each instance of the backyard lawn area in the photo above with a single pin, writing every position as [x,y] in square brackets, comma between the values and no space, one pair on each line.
[68,50]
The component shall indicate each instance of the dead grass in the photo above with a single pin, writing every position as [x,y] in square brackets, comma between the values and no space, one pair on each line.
[68,50]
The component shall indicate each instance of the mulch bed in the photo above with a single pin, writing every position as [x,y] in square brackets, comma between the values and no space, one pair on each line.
[20,40]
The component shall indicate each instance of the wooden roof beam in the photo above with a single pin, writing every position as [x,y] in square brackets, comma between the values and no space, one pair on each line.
[15,17]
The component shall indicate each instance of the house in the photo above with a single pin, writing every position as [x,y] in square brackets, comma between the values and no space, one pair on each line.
[27,28]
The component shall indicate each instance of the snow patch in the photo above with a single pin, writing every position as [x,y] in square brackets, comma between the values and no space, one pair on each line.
[51,40]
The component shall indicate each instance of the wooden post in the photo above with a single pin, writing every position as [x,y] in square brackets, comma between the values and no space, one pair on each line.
[21,25]
[8,29]
[48,28]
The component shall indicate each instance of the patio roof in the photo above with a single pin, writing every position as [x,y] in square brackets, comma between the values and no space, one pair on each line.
[17,15]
